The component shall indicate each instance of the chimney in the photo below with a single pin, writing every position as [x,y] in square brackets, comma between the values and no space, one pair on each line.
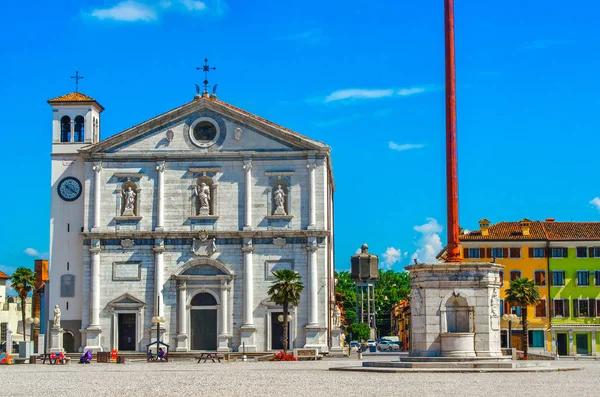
[549,219]
[484,225]
[525,227]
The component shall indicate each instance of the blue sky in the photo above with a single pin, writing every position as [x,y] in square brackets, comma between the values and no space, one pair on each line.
[364,77]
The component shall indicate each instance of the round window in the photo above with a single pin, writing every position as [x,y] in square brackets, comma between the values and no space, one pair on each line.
[204,132]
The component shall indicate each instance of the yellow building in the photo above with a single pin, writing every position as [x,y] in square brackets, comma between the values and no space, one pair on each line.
[400,322]
[522,248]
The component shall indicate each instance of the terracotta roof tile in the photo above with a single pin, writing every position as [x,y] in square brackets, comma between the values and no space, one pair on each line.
[507,231]
[4,276]
[73,97]
[572,230]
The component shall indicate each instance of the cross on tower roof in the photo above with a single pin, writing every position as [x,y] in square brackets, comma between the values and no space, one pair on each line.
[205,68]
[77,77]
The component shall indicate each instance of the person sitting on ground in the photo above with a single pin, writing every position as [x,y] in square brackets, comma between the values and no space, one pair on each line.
[86,357]
[161,354]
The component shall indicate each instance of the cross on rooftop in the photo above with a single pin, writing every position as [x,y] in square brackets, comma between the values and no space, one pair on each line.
[77,77]
[206,68]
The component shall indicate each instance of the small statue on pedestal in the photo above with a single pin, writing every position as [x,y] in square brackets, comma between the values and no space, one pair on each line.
[56,317]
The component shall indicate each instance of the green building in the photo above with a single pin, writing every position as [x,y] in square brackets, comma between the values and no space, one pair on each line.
[574,275]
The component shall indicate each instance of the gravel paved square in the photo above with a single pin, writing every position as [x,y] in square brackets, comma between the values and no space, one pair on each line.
[186,378]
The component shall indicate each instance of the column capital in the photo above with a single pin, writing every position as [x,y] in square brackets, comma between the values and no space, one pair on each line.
[97,167]
[312,248]
[248,248]
[159,249]
[96,250]
[181,285]
[247,165]
[160,166]
[311,166]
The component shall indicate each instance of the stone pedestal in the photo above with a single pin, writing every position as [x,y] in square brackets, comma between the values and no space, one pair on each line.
[455,309]
[316,338]
[223,343]
[336,342]
[41,344]
[247,339]
[182,343]
[9,341]
[56,340]
[93,339]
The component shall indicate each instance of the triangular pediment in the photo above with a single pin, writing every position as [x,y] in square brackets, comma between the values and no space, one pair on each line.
[126,300]
[172,132]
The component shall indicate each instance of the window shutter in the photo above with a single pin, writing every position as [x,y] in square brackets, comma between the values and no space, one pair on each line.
[563,278]
[552,303]
[551,278]
[531,252]
[566,308]
[591,252]
[592,308]
[489,253]
[506,307]
[466,253]
[598,308]
[575,307]
[546,253]
[505,252]
[565,252]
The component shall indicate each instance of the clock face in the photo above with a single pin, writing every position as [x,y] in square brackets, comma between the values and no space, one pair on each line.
[69,189]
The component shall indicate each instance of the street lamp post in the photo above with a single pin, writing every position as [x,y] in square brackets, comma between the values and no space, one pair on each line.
[158,319]
[510,318]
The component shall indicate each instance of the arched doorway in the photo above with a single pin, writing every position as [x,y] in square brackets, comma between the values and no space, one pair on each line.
[457,314]
[203,322]
[69,342]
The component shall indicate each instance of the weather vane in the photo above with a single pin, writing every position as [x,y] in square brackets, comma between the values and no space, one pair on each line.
[205,68]
[77,77]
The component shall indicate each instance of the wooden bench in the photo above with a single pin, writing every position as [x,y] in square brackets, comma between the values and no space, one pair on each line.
[209,356]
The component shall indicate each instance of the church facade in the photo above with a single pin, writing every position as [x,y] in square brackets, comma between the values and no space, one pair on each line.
[178,223]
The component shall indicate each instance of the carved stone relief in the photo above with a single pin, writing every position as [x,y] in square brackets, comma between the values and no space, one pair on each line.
[204,246]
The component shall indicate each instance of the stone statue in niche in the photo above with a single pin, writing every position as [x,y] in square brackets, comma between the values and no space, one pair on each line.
[203,194]
[56,317]
[279,200]
[128,202]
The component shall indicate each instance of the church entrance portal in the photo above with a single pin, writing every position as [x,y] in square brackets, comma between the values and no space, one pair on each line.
[277,332]
[203,322]
[127,331]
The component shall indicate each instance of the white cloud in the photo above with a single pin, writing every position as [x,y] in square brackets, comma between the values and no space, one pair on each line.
[406,146]
[128,11]
[596,203]
[193,5]
[362,93]
[310,36]
[31,252]
[391,256]
[430,243]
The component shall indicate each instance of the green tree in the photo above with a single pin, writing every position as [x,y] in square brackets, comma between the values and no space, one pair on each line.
[523,293]
[22,282]
[359,331]
[285,291]
[392,287]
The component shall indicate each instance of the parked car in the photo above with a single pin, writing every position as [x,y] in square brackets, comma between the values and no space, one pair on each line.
[388,346]
[354,344]
[371,342]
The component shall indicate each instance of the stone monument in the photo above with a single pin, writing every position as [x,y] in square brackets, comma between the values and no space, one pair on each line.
[56,333]
[336,332]
[454,305]
[129,202]
[203,193]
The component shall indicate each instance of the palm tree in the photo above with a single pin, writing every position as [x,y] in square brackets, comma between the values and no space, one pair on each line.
[23,280]
[523,293]
[285,291]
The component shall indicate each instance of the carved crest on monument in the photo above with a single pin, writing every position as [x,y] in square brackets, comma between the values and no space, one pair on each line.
[279,241]
[126,243]
[203,246]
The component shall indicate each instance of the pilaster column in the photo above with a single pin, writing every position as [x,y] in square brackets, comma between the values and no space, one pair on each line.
[312,200]
[72,131]
[593,342]
[160,201]
[97,188]
[224,307]
[248,194]
[313,308]
[248,249]
[159,278]
[95,287]
[182,316]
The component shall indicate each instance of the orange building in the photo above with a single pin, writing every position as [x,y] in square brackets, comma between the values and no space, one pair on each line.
[400,322]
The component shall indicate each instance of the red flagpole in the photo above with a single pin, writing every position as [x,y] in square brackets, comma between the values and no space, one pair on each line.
[453,250]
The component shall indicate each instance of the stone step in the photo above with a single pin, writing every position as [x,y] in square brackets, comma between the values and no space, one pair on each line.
[434,364]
